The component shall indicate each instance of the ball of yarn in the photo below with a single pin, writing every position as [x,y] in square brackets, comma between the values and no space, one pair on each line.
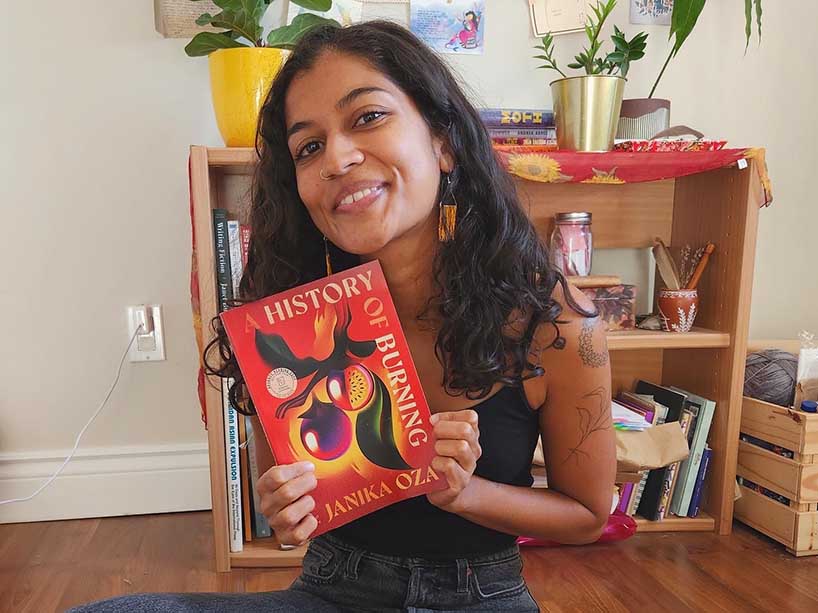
[770,375]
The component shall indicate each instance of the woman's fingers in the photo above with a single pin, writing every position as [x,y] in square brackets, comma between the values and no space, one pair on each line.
[461,450]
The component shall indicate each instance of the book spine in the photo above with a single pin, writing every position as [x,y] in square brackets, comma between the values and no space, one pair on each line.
[671,473]
[693,511]
[261,527]
[625,495]
[682,474]
[637,494]
[696,451]
[245,479]
[503,118]
[231,441]
[245,244]
[523,141]
[549,133]
[234,241]
[223,279]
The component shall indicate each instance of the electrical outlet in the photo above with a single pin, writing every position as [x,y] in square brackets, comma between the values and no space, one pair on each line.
[149,344]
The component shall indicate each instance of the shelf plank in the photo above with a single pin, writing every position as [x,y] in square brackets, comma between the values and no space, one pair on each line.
[265,553]
[231,156]
[702,523]
[697,338]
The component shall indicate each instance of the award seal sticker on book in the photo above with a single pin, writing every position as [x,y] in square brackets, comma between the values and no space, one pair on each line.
[333,382]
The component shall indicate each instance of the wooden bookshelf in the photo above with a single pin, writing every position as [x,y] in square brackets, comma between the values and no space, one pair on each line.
[720,206]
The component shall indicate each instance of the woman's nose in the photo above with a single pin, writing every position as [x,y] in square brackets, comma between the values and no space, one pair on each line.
[341,154]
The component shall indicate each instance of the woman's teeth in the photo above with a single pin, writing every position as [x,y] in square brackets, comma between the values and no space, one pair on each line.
[356,196]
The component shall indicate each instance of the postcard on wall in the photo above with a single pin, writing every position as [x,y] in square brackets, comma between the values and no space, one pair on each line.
[450,26]
[345,12]
[651,12]
[557,16]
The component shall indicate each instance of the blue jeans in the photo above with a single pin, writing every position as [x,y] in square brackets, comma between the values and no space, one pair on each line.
[339,577]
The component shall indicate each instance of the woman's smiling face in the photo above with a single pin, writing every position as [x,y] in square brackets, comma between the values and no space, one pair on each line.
[380,163]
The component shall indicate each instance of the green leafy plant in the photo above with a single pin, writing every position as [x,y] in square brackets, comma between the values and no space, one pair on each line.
[617,62]
[241,22]
[684,17]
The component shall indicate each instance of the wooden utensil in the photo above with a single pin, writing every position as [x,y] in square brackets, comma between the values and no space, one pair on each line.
[697,273]
[666,265]
[595,281]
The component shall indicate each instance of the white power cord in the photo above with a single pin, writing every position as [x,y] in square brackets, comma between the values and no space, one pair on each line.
[79,436]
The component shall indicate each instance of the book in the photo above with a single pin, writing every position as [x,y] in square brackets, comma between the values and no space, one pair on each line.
[695,500]
[689,469]
[244,474]
[231,442]
[674,401]
[516,118]
[672,474]
[545,133]
[224,279]
[222,252]
[329,372]
[261,527]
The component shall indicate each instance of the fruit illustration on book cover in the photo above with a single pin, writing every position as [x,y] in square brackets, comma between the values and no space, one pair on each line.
[333,382]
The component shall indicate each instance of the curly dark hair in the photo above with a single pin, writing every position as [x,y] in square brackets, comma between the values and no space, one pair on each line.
[494,274]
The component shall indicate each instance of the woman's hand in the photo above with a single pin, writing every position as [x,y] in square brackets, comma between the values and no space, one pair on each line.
[284,502]
[457,450]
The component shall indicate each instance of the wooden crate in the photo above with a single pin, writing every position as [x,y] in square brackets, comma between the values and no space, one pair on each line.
[796,525]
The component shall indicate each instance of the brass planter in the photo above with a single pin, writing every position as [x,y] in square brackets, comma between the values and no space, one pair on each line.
[586,111]
[240,79]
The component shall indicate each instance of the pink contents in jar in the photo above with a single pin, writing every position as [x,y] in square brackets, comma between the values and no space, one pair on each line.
[572,243]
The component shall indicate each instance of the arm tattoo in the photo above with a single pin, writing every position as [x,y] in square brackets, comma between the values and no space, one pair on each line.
[591,357]
[593,416]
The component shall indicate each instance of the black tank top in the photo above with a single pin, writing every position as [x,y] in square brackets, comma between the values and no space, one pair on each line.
[416,528]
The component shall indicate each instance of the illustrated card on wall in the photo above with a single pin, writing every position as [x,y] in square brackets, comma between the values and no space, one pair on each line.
[557,16]
[450,26]
[651,12]
[345,12]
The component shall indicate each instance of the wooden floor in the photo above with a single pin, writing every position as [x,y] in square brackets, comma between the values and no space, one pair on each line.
[52,566]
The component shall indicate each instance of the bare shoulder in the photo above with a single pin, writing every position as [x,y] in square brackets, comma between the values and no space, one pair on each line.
[574,339]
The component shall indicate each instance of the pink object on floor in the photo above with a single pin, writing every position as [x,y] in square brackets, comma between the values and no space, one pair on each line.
[618,528]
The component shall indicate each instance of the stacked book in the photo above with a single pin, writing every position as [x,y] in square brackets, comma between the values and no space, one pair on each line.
[232,240]
[513,126]
[675,489]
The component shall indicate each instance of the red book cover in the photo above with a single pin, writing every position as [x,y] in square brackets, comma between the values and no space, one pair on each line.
[333,382]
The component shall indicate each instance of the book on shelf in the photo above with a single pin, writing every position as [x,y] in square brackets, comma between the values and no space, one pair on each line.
[704,409]
[516,117]
[672,472]
[224,282]
[649,505]
[695,499]
[231,441]
[330,375]
[261,527]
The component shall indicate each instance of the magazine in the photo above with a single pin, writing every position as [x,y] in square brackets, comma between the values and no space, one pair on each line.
[332,380]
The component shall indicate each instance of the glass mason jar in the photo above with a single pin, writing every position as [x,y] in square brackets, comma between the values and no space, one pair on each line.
[572,243]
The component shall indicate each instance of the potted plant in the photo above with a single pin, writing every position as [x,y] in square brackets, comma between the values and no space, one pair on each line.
[586,107]
[646,117]
[243,62]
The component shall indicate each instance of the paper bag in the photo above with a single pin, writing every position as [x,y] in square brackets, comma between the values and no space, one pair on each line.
[636,451]
[655,447]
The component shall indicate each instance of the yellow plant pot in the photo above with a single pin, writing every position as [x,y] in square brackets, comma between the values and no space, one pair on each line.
[240,79]
[586,111]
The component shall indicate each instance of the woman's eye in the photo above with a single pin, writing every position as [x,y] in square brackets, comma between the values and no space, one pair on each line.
[307,149]
[369,117]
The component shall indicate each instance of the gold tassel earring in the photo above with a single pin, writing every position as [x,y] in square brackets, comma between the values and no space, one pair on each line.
[326,256]
[448,214]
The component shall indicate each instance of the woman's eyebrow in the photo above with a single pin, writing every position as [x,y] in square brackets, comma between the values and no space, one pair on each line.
[346,100]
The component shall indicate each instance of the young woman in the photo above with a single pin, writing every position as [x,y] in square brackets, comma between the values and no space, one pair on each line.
[364,135]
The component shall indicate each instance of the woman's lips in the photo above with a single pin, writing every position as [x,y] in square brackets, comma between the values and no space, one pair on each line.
[356,206]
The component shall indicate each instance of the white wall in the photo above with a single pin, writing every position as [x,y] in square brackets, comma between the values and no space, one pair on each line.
[97,115]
